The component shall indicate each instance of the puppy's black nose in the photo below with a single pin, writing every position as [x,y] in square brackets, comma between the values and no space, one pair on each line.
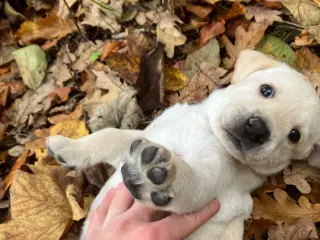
[256,130]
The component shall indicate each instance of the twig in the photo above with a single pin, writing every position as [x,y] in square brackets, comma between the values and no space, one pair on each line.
[293,24]
[75,21]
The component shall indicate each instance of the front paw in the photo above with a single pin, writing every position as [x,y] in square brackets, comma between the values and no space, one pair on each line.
[148,173]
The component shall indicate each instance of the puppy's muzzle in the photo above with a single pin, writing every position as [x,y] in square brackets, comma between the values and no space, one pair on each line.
[256,130]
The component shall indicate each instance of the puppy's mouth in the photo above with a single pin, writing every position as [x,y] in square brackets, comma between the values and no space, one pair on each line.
[234,140]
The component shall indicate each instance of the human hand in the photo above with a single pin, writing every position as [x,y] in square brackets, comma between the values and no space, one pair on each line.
[120,217]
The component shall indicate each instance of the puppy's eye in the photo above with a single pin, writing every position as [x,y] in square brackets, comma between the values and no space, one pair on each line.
[294,136]
[267,91]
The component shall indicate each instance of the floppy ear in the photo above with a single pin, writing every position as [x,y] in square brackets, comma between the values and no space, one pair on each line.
[314,157]
[250,61]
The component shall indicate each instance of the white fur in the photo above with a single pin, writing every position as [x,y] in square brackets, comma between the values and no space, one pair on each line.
[207,164]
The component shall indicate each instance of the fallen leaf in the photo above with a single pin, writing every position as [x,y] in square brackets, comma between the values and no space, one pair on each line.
[18,163]
[304,39]
[110,82]
[307,13]
[261,13]
[298,174]
[210,31]
[6,36]
[304,228]
[200,85]
[168,34]
[32,63]
[75,115]
[39,5]
[60,95]
[277,48]
[126,66]
[94,57]
[283,209]
[310,64]
[123,112]
[198,10]
[138,43]
[101,14]
[31,103]
[174,79]
[51,27]
[5,53]
[4,93]
[2,131]
[257,228]
[209,54]
[63,8]
[150,83]
[236,10]
[109,48]
[38,208]
[72,129]
[2,188]
[244,40]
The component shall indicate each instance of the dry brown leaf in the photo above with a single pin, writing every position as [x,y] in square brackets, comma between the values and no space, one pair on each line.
[138,44]
[211,31]
[126,66]
[236,10]
[38,208]
[60,95]
[303,229]
[2,131]
[4,93]
[72,128]
[244,40]
[199,11]
[283,209]
[310,65]
[75,115]
[298,174]
[51,27]
[257,228]
[200,85]
[109,48]
[19,162]
[261,13]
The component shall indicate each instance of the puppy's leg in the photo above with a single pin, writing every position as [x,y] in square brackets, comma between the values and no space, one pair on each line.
[162,180]
[234,229]
[108,145]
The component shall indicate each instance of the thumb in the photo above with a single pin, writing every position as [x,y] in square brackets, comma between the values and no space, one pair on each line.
[181,226]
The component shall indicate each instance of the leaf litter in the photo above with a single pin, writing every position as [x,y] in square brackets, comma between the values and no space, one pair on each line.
[74,67]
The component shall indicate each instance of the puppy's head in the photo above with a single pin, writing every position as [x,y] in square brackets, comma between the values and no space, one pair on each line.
[269,114]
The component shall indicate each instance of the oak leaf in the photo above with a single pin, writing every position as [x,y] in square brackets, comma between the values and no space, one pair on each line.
[72,128]
[304,228]
[281,208]
[298,174]
[51,27]
[244,40]
[261,13]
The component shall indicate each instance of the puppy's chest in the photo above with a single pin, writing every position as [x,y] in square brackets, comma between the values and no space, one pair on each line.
[190,138]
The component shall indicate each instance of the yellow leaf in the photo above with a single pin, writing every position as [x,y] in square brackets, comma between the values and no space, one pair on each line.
[175,80]
[19,162]
[45,28]
[39,209]
[73,129]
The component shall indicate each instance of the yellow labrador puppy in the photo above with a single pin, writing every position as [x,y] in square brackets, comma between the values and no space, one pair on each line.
[221,148]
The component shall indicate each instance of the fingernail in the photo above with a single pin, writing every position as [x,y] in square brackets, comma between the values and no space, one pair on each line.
[216,203]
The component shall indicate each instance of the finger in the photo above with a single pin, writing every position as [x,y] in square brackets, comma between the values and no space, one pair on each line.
[99,214]
[141,212]
[121,202]
[181,226]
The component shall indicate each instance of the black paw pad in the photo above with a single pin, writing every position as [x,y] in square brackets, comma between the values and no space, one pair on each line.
[157,175]
[148,154]
[134,145]
[160,198]
[128,181]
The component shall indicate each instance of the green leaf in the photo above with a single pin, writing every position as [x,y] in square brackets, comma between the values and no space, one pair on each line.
[209,54]
[94,57]
[280,50]
[32,64]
